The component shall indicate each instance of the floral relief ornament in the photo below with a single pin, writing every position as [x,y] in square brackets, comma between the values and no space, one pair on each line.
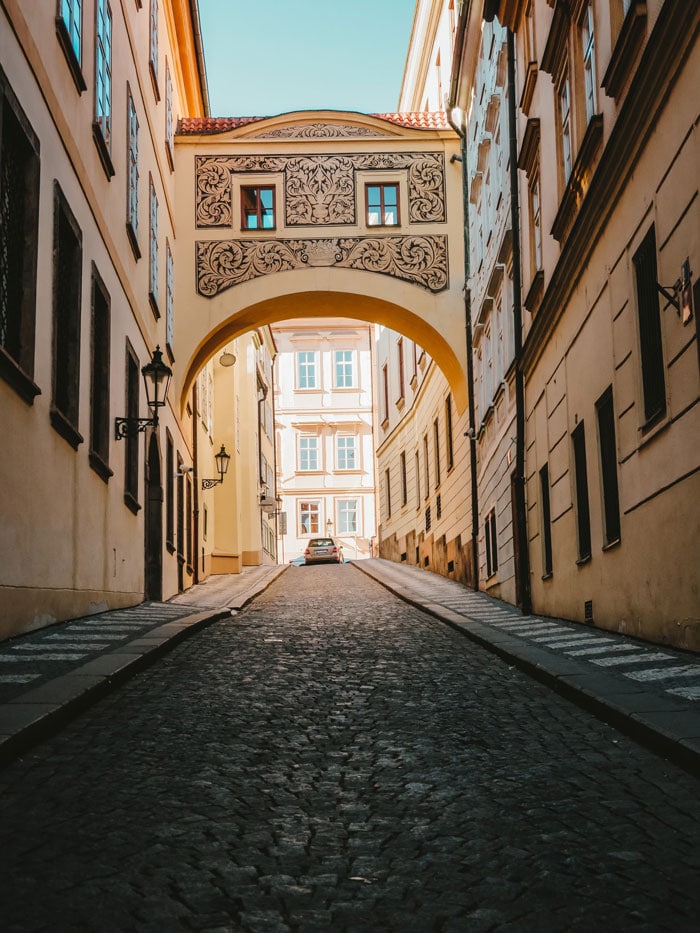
[421,260]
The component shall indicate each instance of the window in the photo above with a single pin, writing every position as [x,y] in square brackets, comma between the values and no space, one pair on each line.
[491,543]
[19,225]
[649,316]
[346,452]
[258,208]
[132,178]
[583,519]
[169,297]
[103,76]
[169,121]
[344,375]
[169,493]
[546,522]
[188,522]
[404,484]
[69,29]
[153,247]
[153,48]
[426,465]
[535,221]
[436,440]
[99,381]
[308,453]
[67,274]
[385,393]
[306,369]
[382,205]
[399,356]
[608,467]
[448,433]
[564,106]
[131,450]
[417,466]
[588,48]
[308,518]
[72,15]
[387,484]
[347,517]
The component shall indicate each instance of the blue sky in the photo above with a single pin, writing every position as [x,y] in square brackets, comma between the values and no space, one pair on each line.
[271,56]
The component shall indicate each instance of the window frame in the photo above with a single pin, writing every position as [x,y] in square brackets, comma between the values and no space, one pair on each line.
[132,389]
[590,86]
[259,208]
[652,365]
[153,24]
[311,365]
[436,450]
[100,368]
[69,30]
[153,247]
[67,293]
[353,448]
[313,505]
[132,173]
[404,481]
[305,448]
[609,481]
[546,523]
[342,383]
[102,116]
[491,542]
[20,150]
[581,495]
[382,187]
[344,512]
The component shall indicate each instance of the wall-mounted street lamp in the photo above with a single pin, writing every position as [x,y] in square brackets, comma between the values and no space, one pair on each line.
[329,526]
[222,462]
[156,376]
[227,358]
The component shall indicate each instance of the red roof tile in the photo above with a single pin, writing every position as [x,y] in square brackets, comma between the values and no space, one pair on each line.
[208,126]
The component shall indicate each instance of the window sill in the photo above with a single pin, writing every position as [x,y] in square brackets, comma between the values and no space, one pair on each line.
[99,466]
[133,241]
[579,179]
[102,149]
[154,79]
[17,379]
[71,57]
[611,545]
[582,561]
[63,427]
[153,302]
[400,402]
[170,547]
[535,292]
[548,576]
[131,503]
[384,424]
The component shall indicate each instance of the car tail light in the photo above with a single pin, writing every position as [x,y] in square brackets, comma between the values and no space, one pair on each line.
[307,551]
[335,550]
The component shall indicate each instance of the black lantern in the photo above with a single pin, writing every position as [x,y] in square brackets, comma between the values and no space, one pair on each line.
[222,461]
[156,377]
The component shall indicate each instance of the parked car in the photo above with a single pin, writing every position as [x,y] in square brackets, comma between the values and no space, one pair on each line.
[323,551]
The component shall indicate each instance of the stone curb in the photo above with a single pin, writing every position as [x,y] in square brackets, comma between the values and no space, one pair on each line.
[669,729]
[34,715]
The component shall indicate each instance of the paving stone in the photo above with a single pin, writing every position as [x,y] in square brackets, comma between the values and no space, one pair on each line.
[331,759]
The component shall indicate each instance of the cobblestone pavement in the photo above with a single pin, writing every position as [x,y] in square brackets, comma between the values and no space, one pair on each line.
[332,759]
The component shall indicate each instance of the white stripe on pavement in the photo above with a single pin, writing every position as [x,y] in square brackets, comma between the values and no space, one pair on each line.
[665,673]
[632,659]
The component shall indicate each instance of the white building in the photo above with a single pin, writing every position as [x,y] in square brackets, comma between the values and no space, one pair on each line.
[323,425]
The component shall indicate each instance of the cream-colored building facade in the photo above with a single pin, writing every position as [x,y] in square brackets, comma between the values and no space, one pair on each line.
[90,285]
[324,439]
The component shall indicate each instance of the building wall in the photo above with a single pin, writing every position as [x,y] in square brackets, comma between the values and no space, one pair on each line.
[70,543]
[426,520]
[319,429]
[634,167]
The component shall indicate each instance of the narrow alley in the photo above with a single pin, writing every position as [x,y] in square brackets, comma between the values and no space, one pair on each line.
[333,759]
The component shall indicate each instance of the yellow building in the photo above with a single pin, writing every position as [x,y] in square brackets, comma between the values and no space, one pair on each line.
[95,514]
[607,152]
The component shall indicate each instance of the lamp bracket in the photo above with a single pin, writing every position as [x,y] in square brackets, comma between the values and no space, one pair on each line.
[672,295]
[210,483]
[127,427]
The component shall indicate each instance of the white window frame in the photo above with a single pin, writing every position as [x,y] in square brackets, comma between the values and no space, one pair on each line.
[308,445]
[103,71]
[344,369]
[347,510]
[343,448]
[132,196]
[589,72]
[307,364]
[313,507]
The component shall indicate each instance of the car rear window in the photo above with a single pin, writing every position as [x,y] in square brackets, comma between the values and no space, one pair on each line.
[321,542]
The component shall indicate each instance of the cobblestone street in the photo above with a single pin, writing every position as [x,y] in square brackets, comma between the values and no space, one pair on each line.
[332,759]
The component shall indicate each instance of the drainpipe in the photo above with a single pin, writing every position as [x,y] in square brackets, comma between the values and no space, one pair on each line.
[471,432]
[523,581]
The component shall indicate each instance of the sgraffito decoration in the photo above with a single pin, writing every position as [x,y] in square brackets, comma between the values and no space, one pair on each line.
[318,131]
[320,189]
[422,260]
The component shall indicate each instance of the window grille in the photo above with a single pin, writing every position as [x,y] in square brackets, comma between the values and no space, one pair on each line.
[428,519]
